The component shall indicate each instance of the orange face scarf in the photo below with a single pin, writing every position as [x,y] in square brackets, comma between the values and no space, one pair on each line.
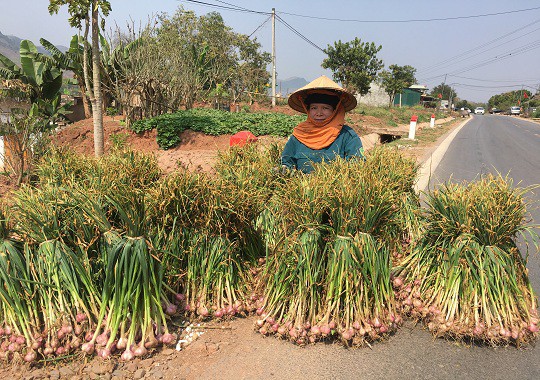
[319,135]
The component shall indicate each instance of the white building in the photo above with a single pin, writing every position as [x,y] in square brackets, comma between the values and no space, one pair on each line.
[376,96]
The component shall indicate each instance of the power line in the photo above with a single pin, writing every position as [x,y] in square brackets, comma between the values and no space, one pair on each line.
[486,50]
[233,8]
[475,49]
[512,53]
[414,20]
[299,34]
[519,50]
[500,81]
[233,5]
[478,86]
[260,26]
[486,89]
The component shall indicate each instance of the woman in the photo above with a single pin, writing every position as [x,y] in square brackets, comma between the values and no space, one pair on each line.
[324,135]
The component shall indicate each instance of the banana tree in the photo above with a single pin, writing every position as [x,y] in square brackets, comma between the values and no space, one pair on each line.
[38,79]
[71,60]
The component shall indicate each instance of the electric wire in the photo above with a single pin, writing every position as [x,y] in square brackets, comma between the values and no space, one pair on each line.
[511,53]
[300,34]
[476,48]
[414,20]
[520,50]
[479,86]
[498,80]
[229,8]
[233,5]
[523,49]
[479,53]
[260,26]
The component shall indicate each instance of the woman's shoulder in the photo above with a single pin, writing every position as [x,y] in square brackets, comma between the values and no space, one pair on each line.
[349,131]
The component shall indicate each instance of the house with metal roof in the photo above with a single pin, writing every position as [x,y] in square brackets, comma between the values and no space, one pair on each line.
[412,96]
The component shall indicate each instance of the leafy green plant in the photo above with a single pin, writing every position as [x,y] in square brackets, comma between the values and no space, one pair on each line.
[112,111]
[119,140]
[215,122]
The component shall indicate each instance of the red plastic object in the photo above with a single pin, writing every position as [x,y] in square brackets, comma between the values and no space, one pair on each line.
[414,118]
[242,138]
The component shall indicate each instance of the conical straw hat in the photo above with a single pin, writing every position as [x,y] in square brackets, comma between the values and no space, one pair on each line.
[321,83]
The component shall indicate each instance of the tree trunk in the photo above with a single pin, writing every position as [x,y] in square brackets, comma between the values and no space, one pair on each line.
[86,105]
[84,94]
[20,174]
[97,105]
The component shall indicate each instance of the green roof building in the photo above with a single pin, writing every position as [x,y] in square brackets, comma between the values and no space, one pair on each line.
[410,96]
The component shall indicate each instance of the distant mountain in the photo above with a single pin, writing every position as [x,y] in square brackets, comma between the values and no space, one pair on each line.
[10,46]
[289,85]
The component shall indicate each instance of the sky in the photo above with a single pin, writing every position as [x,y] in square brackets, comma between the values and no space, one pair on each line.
[479,47]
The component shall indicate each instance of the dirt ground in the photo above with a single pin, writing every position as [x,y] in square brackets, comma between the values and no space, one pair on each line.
[227,349]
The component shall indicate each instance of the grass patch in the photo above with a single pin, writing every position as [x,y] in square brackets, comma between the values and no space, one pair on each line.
[426,136]
[395,115]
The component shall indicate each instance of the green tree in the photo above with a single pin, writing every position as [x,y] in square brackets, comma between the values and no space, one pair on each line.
[464,104]
[189,59]
[249,74]
[442,91]
[396,78]
[508,99]
[25,135]
[116,61]
[71,60]
[89,12]
[354,64]
[37,79]
[186,58]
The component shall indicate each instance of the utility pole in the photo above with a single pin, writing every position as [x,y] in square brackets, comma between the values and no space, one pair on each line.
[442,89]
[273,57]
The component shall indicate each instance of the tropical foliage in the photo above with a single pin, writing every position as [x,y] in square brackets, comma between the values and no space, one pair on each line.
[36,84]
[354,63]
[396,78]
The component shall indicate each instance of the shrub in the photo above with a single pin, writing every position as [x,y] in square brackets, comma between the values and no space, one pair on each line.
[215,122]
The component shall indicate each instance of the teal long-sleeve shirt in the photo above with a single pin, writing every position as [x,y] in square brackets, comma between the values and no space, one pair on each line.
[298,156]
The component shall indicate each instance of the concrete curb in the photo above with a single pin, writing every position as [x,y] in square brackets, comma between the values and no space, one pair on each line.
[430,164]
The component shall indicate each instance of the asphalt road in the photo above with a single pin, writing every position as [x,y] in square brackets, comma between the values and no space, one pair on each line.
[484,144]
[491,144]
